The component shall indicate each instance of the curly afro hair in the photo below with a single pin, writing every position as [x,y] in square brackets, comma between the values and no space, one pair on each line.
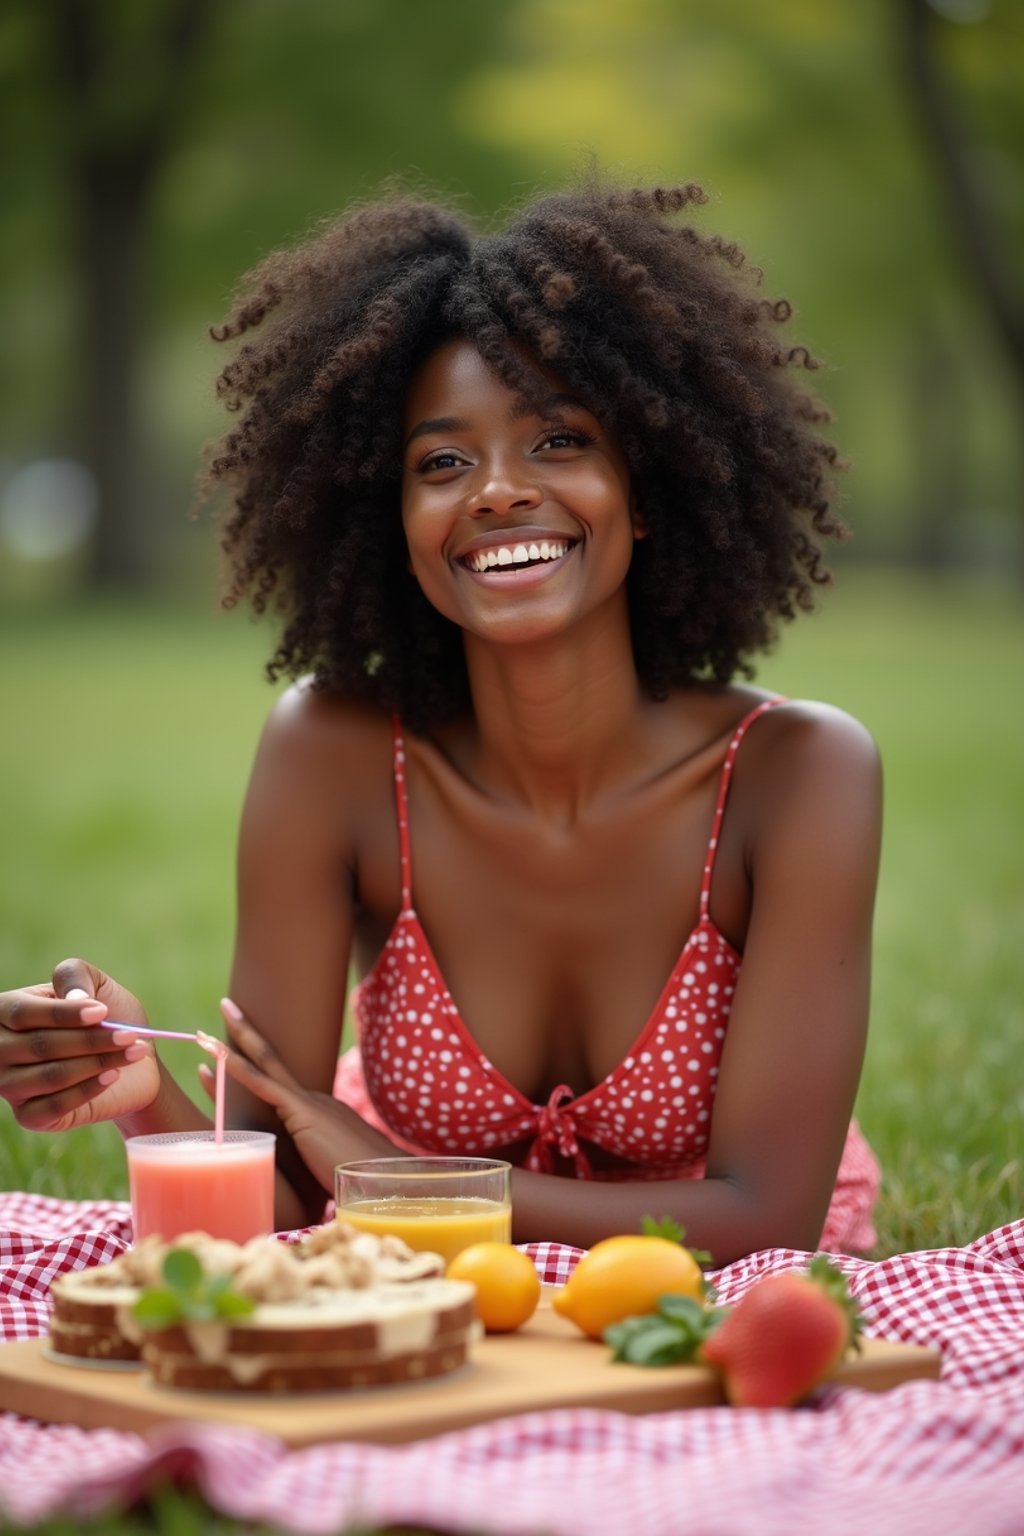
[657,328]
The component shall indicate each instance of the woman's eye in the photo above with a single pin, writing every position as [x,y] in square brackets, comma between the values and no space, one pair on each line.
[444,458]
[566,437]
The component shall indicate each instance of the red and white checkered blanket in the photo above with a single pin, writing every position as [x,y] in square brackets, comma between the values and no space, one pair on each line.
[938,1458]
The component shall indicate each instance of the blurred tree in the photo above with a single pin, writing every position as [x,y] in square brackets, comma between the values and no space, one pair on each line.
[121,75]
[230,125]
[162,149]
[800,115]
[973,218]
[981,205]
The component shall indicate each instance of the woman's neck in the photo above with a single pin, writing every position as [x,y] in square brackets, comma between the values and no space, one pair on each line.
[559,721]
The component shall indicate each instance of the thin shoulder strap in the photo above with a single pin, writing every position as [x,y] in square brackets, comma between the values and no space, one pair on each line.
[723,794]
[402,809]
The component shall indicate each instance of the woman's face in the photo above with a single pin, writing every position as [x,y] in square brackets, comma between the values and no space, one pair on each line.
[517,517]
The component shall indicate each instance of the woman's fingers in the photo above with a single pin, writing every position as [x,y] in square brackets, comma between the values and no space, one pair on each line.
[279,1096]
[58,1111]
[50,1079]
[248,1040]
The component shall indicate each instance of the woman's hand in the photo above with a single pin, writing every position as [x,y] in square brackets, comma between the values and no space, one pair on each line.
[58,1069]
[324,1132]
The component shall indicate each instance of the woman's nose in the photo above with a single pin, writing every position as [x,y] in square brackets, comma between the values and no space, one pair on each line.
[502,490]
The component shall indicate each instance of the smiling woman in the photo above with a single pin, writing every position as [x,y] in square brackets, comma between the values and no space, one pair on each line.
[527,504]
[501,500]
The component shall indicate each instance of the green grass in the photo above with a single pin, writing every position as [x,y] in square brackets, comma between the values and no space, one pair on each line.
[129,732]
[128,736]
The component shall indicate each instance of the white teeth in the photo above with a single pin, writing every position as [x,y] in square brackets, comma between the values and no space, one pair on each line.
[517,554]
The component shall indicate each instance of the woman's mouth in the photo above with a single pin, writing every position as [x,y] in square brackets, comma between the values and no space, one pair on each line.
[517,555]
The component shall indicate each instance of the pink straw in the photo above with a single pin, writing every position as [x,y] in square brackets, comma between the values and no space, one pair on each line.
[209,1043]
[219,1050]
[144,1029]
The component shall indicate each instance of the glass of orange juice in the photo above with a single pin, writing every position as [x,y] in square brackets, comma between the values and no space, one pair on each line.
[435,1204]
[187,1181]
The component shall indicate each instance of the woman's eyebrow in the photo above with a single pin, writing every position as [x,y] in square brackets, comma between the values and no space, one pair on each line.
[437,424]
[517,411]
[548,406]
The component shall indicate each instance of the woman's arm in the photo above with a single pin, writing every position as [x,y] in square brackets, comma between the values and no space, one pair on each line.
[808,791]
[296,875]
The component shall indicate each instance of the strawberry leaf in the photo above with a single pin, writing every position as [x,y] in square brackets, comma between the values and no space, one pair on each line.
[830,1279]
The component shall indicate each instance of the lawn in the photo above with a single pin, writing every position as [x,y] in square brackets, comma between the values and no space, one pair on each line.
[128,732]
[128,735]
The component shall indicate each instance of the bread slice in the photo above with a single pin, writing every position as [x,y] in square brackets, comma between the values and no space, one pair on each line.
[338,1310]
[388,1333]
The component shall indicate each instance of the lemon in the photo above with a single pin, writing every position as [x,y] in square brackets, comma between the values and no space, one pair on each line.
[507,1285]
[623,1277]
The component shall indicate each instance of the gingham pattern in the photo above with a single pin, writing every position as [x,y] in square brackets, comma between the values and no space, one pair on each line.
[926,1459]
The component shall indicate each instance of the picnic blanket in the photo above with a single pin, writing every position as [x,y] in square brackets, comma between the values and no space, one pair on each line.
[938,1458]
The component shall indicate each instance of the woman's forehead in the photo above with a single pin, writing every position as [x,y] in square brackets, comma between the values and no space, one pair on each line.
[456,377]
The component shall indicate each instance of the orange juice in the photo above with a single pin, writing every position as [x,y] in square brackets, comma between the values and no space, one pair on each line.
[438,1224]
[188,1182]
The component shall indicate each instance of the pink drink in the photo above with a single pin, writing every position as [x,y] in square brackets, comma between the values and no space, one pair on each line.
[185,1181]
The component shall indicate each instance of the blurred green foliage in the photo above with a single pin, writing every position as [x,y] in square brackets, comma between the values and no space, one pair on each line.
[245,121]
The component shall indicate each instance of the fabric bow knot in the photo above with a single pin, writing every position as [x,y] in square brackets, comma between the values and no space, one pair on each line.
[557,1128]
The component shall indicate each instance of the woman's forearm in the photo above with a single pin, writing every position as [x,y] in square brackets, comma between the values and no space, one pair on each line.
[716,1214]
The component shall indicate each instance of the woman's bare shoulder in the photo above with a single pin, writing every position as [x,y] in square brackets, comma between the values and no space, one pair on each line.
[321,758]
[814,762]
[813,736]
[306,723]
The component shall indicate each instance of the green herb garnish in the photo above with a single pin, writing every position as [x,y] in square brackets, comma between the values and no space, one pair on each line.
[188,1295]
[669,1336]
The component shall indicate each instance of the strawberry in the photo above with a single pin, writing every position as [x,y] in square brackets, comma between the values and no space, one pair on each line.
[784,1337]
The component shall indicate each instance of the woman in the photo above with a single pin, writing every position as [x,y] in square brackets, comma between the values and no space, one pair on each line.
[528,503]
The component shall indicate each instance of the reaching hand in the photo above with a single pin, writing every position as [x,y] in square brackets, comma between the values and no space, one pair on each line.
[324,1131]
[57,1068]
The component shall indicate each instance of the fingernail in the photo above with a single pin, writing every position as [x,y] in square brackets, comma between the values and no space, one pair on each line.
[231,1011]
[108,1077]
[93,1013]
[136,1052]
[122,1037]
[75,992]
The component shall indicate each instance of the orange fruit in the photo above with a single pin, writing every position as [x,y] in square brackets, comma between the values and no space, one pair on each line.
[507,1285]
[623,1277]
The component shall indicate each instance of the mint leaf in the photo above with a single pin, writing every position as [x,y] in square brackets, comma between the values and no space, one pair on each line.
[660,1344]
[233,1304]
[682,1309]
[182,1271]
[189,1295]
[158,1309]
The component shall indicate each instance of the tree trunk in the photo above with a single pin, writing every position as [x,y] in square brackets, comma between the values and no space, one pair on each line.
[111,172]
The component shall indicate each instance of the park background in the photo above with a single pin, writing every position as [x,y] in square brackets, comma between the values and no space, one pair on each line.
[868,156]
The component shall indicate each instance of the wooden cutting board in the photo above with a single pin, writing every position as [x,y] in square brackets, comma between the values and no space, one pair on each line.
[547,1364]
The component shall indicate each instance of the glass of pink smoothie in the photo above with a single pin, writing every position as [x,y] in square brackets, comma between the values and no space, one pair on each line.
[186,1181]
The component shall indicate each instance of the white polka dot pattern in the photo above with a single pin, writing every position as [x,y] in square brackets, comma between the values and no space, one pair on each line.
[433,1086]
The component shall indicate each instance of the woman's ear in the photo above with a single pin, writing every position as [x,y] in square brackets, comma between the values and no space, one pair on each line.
[637,520]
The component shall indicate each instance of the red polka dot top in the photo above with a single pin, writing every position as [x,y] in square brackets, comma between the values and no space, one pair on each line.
[434,1089]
